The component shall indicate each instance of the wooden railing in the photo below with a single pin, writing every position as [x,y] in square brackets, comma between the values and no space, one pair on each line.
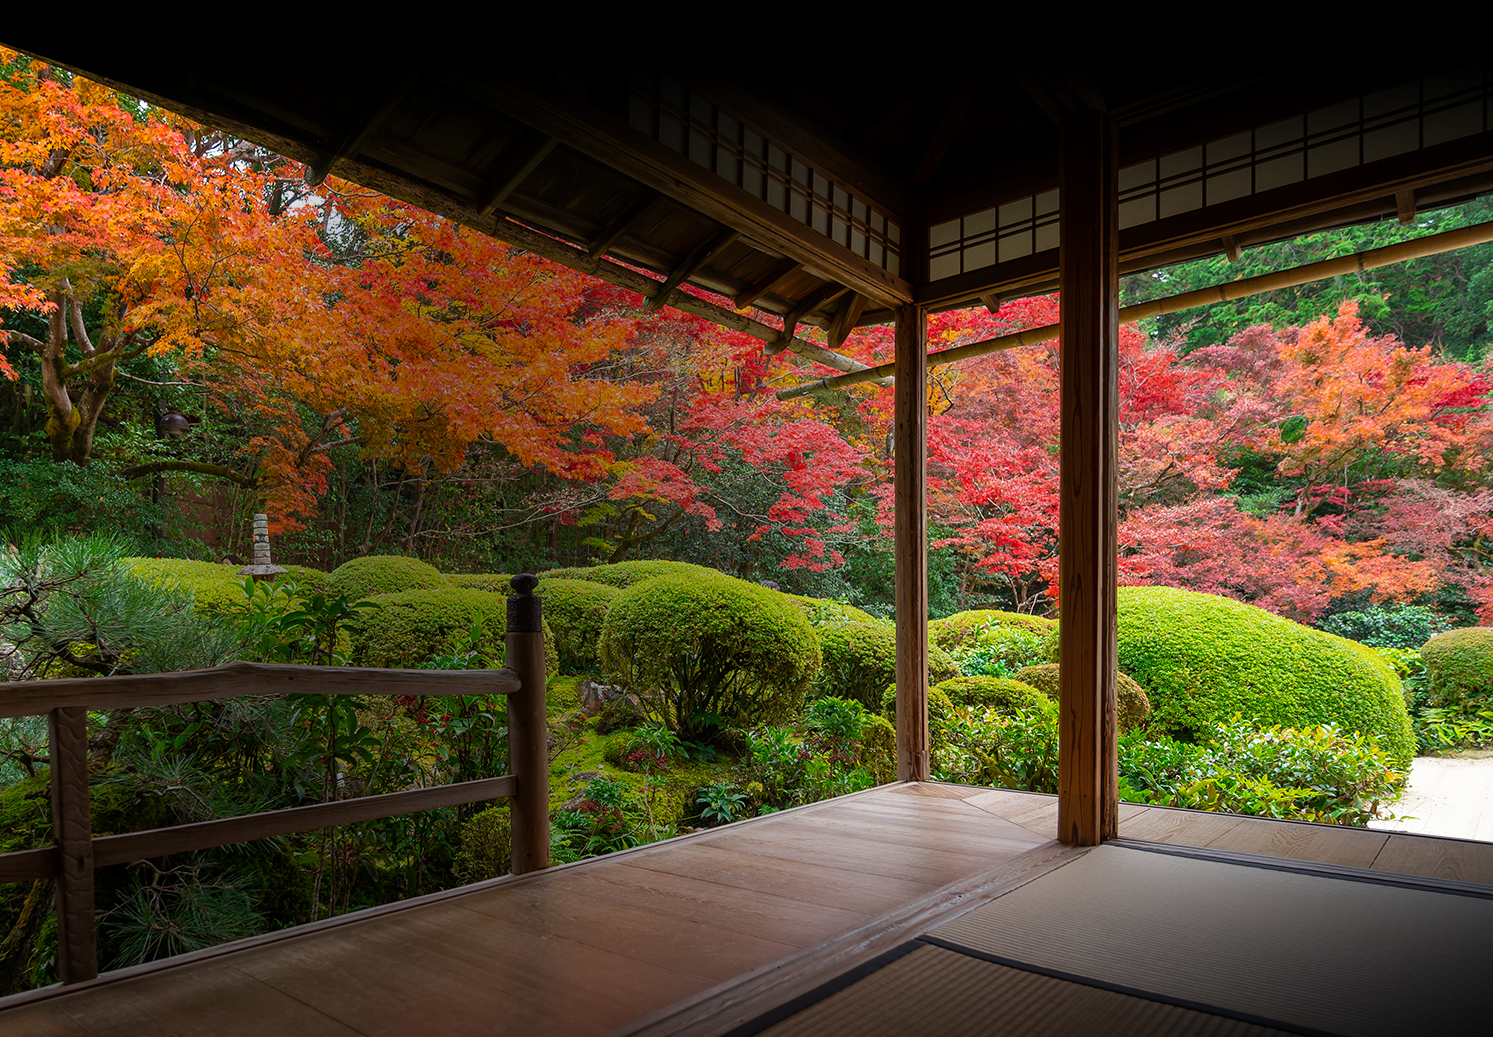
[75,851]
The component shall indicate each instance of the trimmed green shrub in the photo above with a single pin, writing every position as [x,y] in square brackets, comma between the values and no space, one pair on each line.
[213,587]
[493,583]
[703,650]
[820,611]
[860,659]
[1134,705]
[1387,626]
[309,580]
[998,693]
[1202,659]
[411,627]
[625,574]
[575,610]
[1000,651]
[963,628]
[384,574]
[1459,666]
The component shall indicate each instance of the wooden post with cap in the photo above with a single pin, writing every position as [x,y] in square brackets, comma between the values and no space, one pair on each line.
[528,732]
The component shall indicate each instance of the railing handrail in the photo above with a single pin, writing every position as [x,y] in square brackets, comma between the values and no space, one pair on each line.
[32,698]
[76,851]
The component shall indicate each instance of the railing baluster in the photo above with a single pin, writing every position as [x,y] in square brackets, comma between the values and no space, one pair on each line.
[528,732]
[72,828]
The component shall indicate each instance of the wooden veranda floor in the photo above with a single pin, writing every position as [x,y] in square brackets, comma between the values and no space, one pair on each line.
[692,935]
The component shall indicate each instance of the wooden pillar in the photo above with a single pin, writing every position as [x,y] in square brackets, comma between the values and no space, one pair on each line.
[910,449]
[1088,765]
[72,830]
[528,729]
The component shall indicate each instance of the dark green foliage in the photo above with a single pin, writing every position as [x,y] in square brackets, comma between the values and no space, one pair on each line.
[1387,626]
[493,583]
[384,574]
[486,840]
[860,659]
[414,626]
[42,493]
[703,651]
[1459,668]
[878,750]
[1203,659]
[998,693]
[575,610]
[1134,706]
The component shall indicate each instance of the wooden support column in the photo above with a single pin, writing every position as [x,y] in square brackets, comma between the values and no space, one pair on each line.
[72,830]
[1088,766]
[528,731]
[910,450]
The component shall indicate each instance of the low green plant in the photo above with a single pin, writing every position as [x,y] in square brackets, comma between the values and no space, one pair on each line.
[1015,750]
[1444,729]
[720,803]
[1387,626]
[1000,651]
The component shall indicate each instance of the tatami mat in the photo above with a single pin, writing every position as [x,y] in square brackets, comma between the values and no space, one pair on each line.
[937,991]
[1316,952]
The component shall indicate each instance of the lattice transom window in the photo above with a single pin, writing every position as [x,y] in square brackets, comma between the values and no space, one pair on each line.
[1021,227]
[711,137]
[1366,129]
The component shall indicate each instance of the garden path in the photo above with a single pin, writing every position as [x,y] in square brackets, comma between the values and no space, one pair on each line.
[1449,796]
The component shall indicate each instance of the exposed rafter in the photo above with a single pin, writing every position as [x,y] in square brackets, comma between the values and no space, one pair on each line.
[825,293]
[358,133]
[520,172]
[698,256]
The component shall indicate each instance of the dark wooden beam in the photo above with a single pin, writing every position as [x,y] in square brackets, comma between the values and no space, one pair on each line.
[845,317]
[698,256]
[623,225]
[910,459]
[1405,206]
[358,133]
[824,294]
[770,281]
[72,832]
[1231,248]
[1088,767]
[956,106]
[516,175]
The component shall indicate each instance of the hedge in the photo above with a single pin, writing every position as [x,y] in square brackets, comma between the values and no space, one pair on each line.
[1459,665]
[703,649]
[1134,706]
[493,583]
[1202,659]
[962,628]
[820,611]
[998,693]
[626,574]
[213,586]
[411,627]
[384,574]
[576,611]
[860,659]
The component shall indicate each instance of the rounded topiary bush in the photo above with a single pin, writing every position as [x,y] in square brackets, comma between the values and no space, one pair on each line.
[410,628]
[1459,665]
[214,587]
[384,574]
[820,611]
[1202,659]
[860,659]
[625,574]
[998,693]
[575,611]
[963,628]
[1134,706]
[702,651]
[493,583]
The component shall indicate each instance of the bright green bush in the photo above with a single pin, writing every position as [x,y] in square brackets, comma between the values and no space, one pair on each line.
[1134,706]
[1459,666]
[625,574]
[703,650]
[1202,659]
[1000,651]
[410,628]
[575,610]
[214,587]
[998,693]
[384,574]
[860,659]
[493,583]
[1017,750]
[820,611]
[963,628]
[878,749]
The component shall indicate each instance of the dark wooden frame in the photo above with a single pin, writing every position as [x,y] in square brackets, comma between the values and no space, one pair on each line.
[76,851]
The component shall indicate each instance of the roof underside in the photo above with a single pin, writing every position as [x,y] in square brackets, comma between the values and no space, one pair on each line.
[823,200]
